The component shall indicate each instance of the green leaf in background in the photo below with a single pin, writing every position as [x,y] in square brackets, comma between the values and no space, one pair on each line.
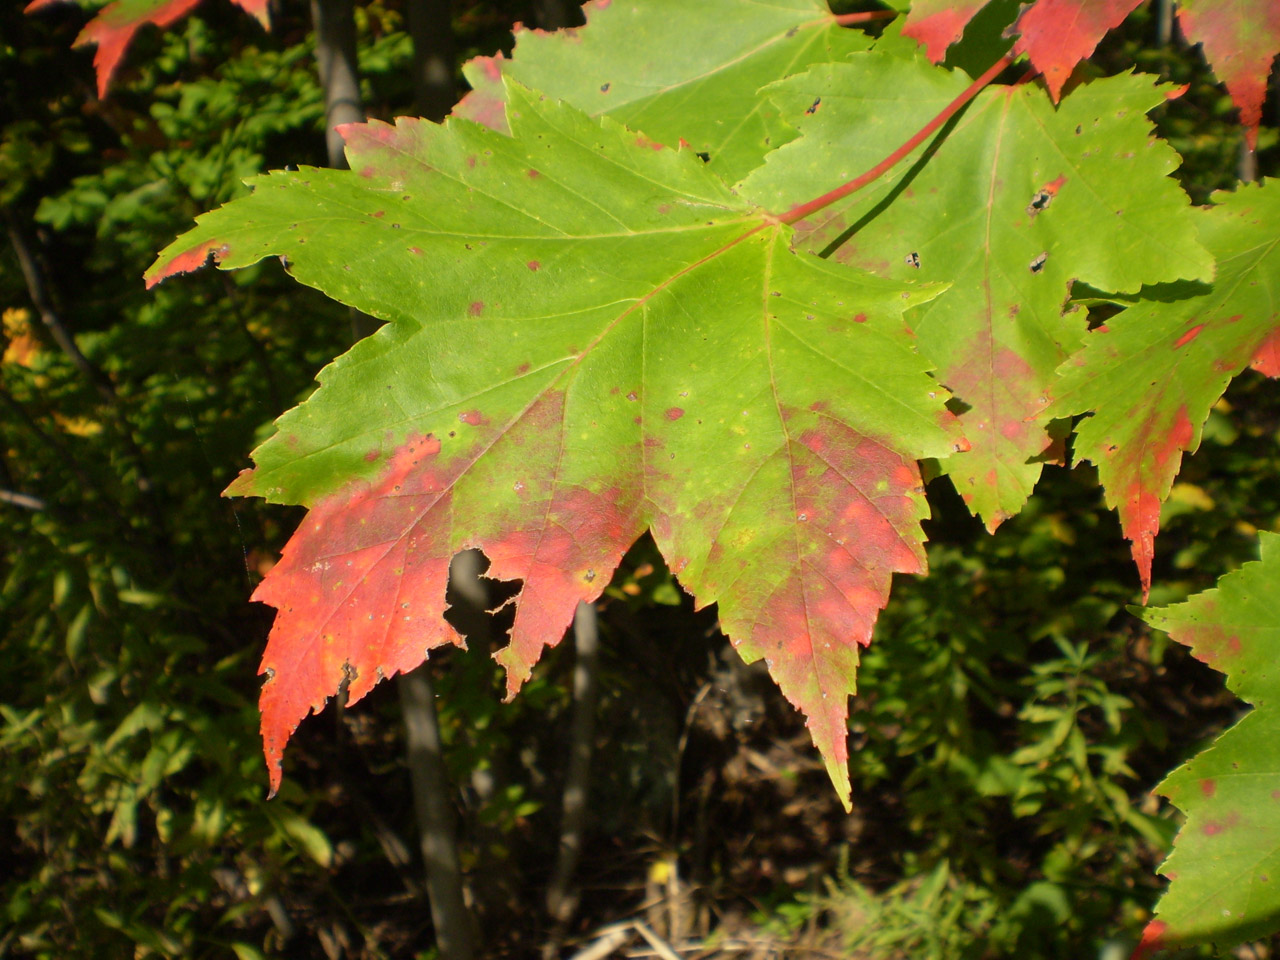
[589,338]
[1019,200]
[1150,375]
[671,69]
[1224,871]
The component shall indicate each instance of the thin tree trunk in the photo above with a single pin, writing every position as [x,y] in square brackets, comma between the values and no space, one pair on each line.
[335,28]
[431,27]
[336,58]
[455,937]
[573,817]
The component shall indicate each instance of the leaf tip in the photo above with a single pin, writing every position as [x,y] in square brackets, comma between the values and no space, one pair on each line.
[242,485]
[1152,940]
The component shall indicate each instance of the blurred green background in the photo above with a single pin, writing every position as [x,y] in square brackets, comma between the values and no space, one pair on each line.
[1012,718]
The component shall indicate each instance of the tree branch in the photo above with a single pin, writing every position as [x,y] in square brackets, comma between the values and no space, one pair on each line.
[436,825]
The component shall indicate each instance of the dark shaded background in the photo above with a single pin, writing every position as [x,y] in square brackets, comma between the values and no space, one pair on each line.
[1012,717]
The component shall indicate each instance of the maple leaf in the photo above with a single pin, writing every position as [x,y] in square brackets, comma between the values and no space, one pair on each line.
[1226,857]
[1152,373]
[1006,207]
[589,337]
[1240,40]
[673,70]
[1057,34]
[113,27]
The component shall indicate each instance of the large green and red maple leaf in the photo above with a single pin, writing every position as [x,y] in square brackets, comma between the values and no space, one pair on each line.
[591,336]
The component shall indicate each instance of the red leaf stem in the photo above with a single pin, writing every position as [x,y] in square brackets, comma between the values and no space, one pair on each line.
[798,213]
[849,19]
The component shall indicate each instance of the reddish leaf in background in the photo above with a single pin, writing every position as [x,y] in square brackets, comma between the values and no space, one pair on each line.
[1240,38]
[114,26]
[1058,34]
[937,24]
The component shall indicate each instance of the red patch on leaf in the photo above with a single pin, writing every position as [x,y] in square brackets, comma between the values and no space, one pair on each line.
[1208,787]
[486,104]
[674,413]
[532,174]
[1006,397]
[476,308]
[534,265]
[564,542]
[937,24]
[472,418]
[359,590]
[1053,186]
[1058,34]
[806,602]
[188,260]
[1266,359]
[1187,337]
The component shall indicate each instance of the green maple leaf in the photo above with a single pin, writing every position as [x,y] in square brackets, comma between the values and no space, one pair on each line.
[1020,199]
[1151,374]
[673,70]
[1224,871]
[588,338]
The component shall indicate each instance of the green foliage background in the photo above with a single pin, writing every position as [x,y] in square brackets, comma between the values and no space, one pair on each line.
[1013,716]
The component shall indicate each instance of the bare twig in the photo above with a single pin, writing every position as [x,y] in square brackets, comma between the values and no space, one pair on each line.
[22,500]
[42,297]
[606,943]
[660,946]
